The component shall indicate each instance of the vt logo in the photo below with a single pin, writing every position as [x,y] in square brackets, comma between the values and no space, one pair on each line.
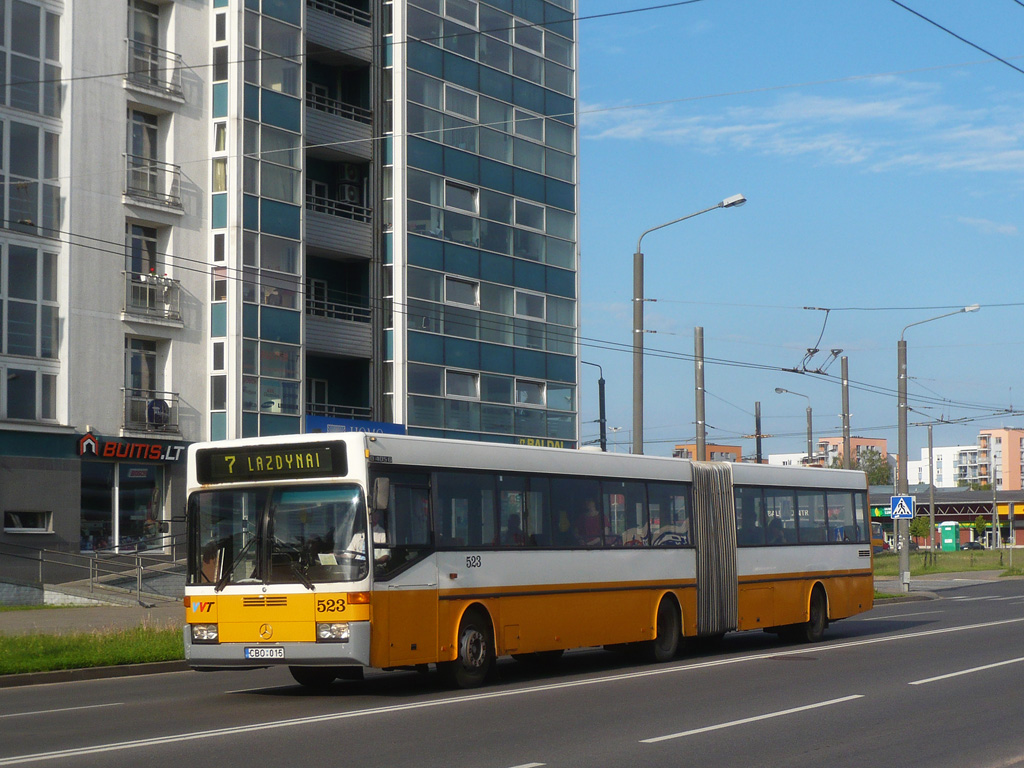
[202,607]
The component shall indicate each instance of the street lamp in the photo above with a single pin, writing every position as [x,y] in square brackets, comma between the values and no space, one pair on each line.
[902,486]
[810,430]
[638,319]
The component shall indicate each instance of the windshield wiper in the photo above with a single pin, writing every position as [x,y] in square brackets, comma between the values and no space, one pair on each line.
[226,576]
[306,582]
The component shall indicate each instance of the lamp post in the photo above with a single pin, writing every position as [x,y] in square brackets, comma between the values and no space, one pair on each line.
[902,486]
[638,319]
[810,430]
[602,422]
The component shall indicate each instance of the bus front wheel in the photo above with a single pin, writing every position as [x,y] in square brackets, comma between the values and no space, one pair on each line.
[314,678]
[475,652]
[812,630]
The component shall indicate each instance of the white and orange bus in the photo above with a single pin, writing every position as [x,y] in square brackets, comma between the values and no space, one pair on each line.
[332,553]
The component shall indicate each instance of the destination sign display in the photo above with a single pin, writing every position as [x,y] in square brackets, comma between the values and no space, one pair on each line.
[221,465]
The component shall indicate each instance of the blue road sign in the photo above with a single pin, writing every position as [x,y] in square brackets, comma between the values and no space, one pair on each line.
[901,507]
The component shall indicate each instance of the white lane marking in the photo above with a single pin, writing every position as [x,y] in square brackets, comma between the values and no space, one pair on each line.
[967,671]
[467,698]
[900,615]
[529,765]
[756,718]
[65,709]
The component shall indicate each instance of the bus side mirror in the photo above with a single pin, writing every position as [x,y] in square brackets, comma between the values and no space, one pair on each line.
[381,493]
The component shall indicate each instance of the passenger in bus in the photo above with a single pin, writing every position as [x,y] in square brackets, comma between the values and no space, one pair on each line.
[589,526]
[513,534]
[775,533]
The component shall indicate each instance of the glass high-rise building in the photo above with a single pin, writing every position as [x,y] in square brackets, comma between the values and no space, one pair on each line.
[236,218]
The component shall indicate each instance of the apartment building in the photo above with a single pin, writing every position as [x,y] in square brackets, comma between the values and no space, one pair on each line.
[1001,457]
[235,218]
[712,451]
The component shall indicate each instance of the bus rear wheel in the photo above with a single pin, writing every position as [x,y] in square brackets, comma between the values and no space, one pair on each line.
[665,644]
[812,630]
[314,678]
[475,652]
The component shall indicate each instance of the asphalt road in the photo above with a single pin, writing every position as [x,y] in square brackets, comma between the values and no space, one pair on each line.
[932,683]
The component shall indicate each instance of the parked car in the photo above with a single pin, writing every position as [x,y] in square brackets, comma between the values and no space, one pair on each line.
[972,545]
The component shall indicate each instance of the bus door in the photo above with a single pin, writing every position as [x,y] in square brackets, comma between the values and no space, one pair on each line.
[714,521]
[408,574]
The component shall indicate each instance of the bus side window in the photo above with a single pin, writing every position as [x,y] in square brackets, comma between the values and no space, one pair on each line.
[749,517]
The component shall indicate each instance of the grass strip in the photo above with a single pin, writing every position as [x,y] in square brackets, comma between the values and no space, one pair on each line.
[46,653]
[922,563]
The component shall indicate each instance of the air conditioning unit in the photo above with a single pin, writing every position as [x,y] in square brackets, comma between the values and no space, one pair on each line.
[350,193]
[350,173]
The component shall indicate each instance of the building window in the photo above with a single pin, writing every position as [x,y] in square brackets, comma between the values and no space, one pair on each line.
[458,291]
[460,197]
[461,10]
[529,304]
[460,102]
[461,384]
[529,392]
[28,522]
[529,215]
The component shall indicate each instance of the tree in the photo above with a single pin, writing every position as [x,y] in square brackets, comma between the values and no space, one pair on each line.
[920,528]
[980,525]
[873,464]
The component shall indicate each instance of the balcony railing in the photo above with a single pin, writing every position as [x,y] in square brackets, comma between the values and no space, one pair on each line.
[339,411]
[150,410]
[154,68]
[339,208]
[336,311]
[341,10]
[153,181]
[152,295]
[322,103]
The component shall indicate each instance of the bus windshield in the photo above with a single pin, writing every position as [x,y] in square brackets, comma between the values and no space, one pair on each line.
[283,535]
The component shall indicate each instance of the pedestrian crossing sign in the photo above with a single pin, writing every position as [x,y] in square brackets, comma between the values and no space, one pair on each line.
[902,507]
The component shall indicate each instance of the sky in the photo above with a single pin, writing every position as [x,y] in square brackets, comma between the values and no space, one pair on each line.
[883,162]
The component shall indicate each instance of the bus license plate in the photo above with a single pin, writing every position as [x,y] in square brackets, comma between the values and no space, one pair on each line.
[264,653]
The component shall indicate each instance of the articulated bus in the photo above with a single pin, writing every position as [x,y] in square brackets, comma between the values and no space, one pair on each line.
[332,553]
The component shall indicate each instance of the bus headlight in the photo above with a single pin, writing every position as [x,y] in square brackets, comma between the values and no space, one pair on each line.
[204,633]
[333,632]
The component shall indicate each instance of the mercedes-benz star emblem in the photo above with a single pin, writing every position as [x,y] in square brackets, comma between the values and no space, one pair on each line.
[266,631]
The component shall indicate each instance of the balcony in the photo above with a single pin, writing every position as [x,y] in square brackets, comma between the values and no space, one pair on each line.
[154,70]
[153,182]
[148,410]
[335,226]
[152,296]
[332,411]
[338,27]
[338,329]
[335,130]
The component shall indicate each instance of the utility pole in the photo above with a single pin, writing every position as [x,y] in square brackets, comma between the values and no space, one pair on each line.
[698,372]
[847,459]
[757,431]
[931,489]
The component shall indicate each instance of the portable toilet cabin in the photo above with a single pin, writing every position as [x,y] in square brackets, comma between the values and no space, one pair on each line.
[949,535]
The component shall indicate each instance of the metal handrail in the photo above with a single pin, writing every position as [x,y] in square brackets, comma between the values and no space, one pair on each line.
[338,208]
[98,563]
[322,103]
[341,10]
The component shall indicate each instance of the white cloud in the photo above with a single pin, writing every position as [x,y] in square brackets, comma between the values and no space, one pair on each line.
[987,227]
[907,127]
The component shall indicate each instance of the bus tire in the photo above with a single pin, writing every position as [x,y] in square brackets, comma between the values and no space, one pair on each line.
[475,647]
[314,678]
[666,642]
[812,630]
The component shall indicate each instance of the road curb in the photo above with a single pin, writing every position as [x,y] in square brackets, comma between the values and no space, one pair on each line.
[91,673]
